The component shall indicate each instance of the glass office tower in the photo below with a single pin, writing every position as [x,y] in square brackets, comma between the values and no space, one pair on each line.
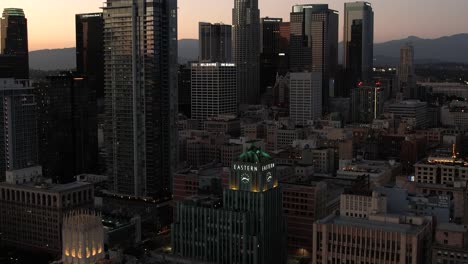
[14,57]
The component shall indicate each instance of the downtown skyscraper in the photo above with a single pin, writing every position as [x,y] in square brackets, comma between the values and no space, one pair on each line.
[214,90]
[215,42]
[246,49]
[90,52]
[358,40]
[14,56]
[314,44]
[67,125]
[274,51]
[140,58]
[305,97]
[405,73]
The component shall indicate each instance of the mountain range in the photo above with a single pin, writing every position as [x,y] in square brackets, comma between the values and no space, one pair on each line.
[444,49]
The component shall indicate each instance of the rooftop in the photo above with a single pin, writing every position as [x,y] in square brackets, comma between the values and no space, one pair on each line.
[445,161]
[408,103]
[255,155]
[451,227]
[207,201]
[46,187]
[13,12]
[369,224]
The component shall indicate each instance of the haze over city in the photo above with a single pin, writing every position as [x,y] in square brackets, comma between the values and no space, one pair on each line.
[51,23]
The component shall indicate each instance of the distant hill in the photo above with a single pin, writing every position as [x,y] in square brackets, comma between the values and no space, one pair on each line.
[53,59]
[188,50]
[65,59]
[444,49]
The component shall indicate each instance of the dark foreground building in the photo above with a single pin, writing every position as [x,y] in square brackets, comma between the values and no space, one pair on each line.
[245,226]
[67,126]
[31,213]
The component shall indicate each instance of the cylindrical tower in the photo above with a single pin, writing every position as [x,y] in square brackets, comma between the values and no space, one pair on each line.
[82,237]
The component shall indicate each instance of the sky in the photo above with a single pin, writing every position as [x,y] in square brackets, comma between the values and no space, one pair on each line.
[51,23]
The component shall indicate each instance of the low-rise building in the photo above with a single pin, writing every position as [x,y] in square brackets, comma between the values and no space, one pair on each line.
[304,202]
[441,170]
[456,191]
[379,172]
[410,109]
[190,182]
[31,213]
[225,124]
[450,244]
[364,231]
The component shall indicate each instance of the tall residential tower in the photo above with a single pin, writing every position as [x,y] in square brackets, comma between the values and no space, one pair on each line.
[246,49]
[140,58]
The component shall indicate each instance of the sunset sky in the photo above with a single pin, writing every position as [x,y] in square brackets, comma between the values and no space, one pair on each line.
[51,22]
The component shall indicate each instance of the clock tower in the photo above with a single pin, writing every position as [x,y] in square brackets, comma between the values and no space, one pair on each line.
[246,227]
[254,171]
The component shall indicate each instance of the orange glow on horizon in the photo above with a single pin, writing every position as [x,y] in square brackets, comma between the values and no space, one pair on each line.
[52,25]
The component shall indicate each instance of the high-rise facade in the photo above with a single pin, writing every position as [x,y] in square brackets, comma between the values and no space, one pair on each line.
[214,90]
[274,51]
[314,44]
[215,42]
[184,80]
[140,70]
[270,35]
[358,40]
[305,96]
[90,52]
[285,36]
[367,102]
[67,124]
[245,226]
[14,57]
[406,76]
[246,49]
[18,126]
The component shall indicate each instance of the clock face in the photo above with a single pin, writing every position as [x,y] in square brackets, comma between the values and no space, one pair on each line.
[245,178]
[269,177]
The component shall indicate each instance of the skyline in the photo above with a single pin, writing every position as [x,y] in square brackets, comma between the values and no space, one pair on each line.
[43,17]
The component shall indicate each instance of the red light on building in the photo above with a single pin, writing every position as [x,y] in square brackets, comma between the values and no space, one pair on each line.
[359,83]
[378,83]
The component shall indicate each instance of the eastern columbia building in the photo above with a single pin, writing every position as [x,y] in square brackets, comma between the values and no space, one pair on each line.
[245,225]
